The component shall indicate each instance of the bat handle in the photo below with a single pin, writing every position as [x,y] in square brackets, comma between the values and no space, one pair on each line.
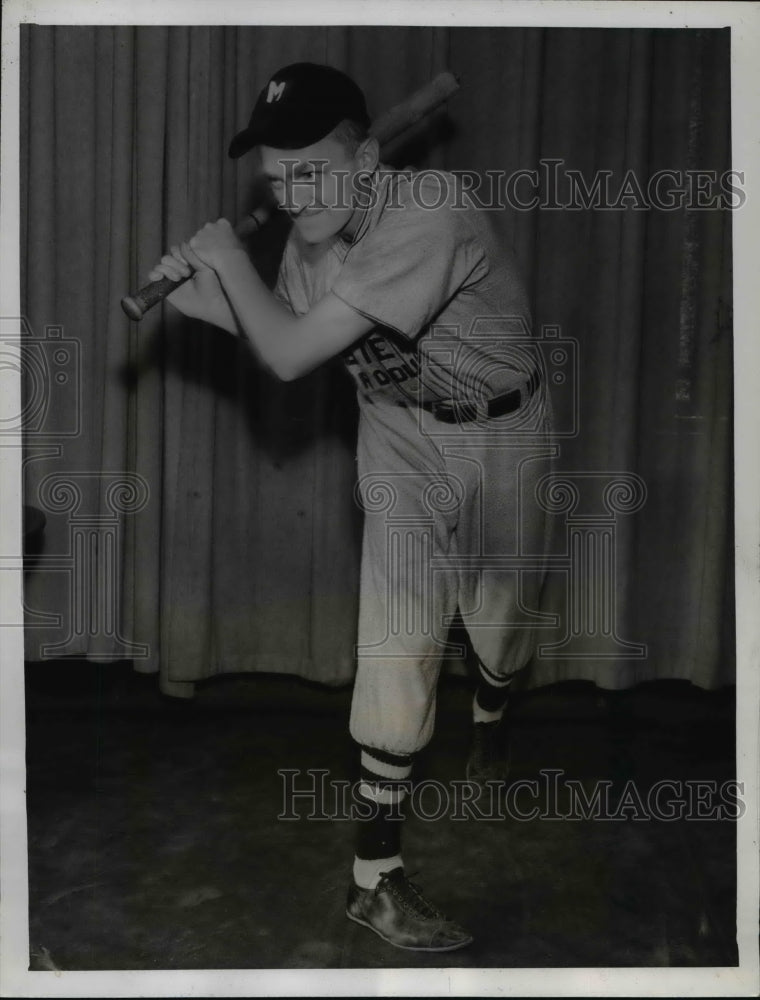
[135,306]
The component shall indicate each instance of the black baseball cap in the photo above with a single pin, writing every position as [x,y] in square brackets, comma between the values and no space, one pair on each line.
[300,105]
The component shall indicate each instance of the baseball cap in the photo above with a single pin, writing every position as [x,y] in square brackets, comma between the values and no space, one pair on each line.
[300,105]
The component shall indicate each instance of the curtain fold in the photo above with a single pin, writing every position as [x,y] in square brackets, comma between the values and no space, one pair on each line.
[243,553]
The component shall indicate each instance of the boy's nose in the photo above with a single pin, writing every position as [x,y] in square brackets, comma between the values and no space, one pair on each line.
[300,196]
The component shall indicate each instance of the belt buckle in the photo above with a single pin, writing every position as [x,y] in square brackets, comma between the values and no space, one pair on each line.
[524,394]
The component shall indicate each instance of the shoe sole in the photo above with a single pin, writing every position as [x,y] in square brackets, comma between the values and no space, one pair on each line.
[408,947]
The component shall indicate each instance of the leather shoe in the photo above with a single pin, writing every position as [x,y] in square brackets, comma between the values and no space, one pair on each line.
[397,912]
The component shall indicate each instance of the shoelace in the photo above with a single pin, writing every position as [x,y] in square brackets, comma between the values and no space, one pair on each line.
[412,900]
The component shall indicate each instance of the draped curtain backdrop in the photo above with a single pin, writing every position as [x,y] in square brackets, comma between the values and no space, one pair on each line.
[240,549]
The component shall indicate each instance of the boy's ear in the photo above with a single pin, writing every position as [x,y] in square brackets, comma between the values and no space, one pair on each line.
[368,154]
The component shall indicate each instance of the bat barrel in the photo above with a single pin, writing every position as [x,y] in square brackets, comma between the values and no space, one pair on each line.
[393,123]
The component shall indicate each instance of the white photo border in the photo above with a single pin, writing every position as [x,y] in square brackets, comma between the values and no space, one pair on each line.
[744,21]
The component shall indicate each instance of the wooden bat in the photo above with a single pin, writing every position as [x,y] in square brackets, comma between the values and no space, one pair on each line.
[387,127]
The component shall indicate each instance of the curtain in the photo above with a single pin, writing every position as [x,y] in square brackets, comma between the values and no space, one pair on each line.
[200,516]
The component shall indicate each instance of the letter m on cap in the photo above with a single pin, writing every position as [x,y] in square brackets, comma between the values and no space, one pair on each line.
[275,91]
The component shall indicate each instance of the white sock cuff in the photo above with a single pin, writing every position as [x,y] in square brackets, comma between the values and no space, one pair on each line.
[367,873]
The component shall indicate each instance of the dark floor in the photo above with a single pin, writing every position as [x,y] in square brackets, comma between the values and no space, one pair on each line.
[154,839]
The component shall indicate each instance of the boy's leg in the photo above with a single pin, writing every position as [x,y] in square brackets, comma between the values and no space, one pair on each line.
[399,656]
[500,605]
[381,897]
[408,588]
[382,790]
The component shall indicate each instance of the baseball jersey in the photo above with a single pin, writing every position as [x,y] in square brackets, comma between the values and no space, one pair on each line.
[450,311]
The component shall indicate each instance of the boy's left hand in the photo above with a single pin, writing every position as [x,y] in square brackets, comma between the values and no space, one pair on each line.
[214,241]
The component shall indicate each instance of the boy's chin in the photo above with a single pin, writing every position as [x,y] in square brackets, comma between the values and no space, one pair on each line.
[321,230]
[314,239]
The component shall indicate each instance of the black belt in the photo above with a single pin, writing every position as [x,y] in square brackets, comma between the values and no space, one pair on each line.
[452,412]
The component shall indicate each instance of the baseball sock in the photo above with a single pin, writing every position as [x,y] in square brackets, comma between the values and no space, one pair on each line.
[382,789]
[490,696]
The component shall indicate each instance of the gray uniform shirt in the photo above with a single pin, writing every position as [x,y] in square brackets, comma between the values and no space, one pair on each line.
[450,310]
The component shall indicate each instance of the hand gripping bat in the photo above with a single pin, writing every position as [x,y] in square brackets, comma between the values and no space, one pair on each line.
[385,129]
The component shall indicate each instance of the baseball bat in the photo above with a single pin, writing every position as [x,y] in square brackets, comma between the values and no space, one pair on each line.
[386,127]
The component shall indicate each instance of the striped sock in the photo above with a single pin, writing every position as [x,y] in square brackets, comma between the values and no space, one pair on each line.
[490,696]
[384,777]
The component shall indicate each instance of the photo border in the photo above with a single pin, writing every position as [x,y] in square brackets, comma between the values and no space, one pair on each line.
[744,21]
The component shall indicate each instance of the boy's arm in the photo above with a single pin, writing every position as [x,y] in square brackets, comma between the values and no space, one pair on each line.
[291,346]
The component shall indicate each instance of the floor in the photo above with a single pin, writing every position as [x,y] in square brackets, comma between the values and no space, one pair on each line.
[155,843]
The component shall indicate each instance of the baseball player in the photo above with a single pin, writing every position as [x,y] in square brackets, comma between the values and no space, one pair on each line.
[404,280]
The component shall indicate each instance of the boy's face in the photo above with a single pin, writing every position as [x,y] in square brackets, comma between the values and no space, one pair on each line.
[316,186]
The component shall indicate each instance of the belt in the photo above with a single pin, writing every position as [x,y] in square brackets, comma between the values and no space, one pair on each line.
[452,412]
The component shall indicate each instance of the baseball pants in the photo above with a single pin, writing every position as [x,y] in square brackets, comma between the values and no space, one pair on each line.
[451,522]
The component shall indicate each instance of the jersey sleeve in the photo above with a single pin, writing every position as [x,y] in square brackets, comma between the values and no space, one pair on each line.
[403,272]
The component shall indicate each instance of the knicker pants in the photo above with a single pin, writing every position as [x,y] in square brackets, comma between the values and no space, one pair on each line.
[451,522]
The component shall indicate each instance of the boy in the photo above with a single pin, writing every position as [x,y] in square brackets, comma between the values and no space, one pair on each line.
[394,272]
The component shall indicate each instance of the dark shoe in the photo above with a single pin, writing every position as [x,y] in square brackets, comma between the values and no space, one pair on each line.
[487,760]
[397,911]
